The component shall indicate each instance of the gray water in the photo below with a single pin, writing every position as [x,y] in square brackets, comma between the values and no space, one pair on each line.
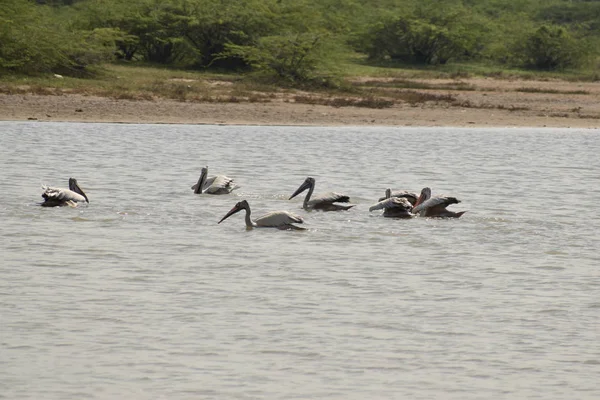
[142,295]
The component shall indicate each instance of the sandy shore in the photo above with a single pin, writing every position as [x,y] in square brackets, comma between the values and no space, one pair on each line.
[489,102]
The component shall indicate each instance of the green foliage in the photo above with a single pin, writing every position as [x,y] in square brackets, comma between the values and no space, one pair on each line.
[34,39]
[505,34]
[159,27]
[551,48]
[218,23]
[295,59]
[69,35]
[585,15]
[188,32]
[58,2]
[153,29]
[418,40]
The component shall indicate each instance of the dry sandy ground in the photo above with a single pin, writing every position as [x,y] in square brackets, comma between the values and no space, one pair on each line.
[492,103]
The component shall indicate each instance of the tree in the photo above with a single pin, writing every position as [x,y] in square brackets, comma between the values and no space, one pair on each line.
[295,58]
[33,39]
[215,24]
[552,48]
[428,33]
[416,41]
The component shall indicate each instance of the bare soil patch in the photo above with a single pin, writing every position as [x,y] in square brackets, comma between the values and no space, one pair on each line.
[436,102]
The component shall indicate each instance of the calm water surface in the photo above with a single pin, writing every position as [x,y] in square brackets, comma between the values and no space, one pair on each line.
[141,295]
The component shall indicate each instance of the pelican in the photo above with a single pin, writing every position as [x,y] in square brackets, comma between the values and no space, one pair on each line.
[410,196]
[428,206]
[323,201]
[54,197]
[394,207]
[219,184]
[275,219]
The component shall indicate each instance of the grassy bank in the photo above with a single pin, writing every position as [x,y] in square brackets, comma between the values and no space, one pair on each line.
[363,85]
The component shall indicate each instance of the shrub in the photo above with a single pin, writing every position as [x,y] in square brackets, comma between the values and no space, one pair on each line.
[551,48]
[33,40]
[296,59]
[422,40]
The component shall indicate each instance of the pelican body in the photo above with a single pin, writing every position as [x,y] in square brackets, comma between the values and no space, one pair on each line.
[393,207]
[219,184]
[428,206]
[410,196]
[322,201]
[275,219]
[59,197]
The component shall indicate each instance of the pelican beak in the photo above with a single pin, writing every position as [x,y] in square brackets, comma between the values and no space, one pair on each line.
[74,186]
[301,189]
[425,195]
[419,200]
[82,193]
[235,209]
[198,186]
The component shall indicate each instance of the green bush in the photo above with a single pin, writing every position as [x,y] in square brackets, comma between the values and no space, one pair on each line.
[34,39]
[183,32]
[416,41]
[551,48]
[69,35]
[295,59]
[216,24]
[153,30]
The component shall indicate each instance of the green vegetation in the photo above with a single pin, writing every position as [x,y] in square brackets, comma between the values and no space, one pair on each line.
[301,43]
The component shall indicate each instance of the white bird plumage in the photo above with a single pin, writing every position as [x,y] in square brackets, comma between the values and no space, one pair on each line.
[322,201]
[410,196]
[428,206]
[275,219]
[393,207]
[219,184]
[59,197]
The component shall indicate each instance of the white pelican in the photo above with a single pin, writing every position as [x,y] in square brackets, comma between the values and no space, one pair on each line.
[219,184]
[54,197]
[428,206]
[410,196]
[275,219]
[393,207]
[322,201]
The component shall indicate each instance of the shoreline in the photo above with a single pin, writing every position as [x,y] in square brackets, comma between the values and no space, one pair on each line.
[490,103]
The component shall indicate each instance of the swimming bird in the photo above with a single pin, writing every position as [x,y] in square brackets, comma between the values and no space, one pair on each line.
[393,207]
[428,206]
[219,184]
[58,197]
[275,219]
[410,196]
[323,201]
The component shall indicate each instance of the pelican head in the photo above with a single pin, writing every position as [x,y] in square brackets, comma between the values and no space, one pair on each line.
[388,193]
[424,196]
[198,187]
[242,205]
[203,175]
[74,186]
[308,183]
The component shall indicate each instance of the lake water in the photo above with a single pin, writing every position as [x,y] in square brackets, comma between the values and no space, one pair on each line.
[142,295]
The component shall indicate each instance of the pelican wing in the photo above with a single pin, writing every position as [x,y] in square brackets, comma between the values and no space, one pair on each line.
[278,219]
[61,196]
[328,198]
[393,203]
[209,181]
[435,205]
[410,196]
[221,184]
